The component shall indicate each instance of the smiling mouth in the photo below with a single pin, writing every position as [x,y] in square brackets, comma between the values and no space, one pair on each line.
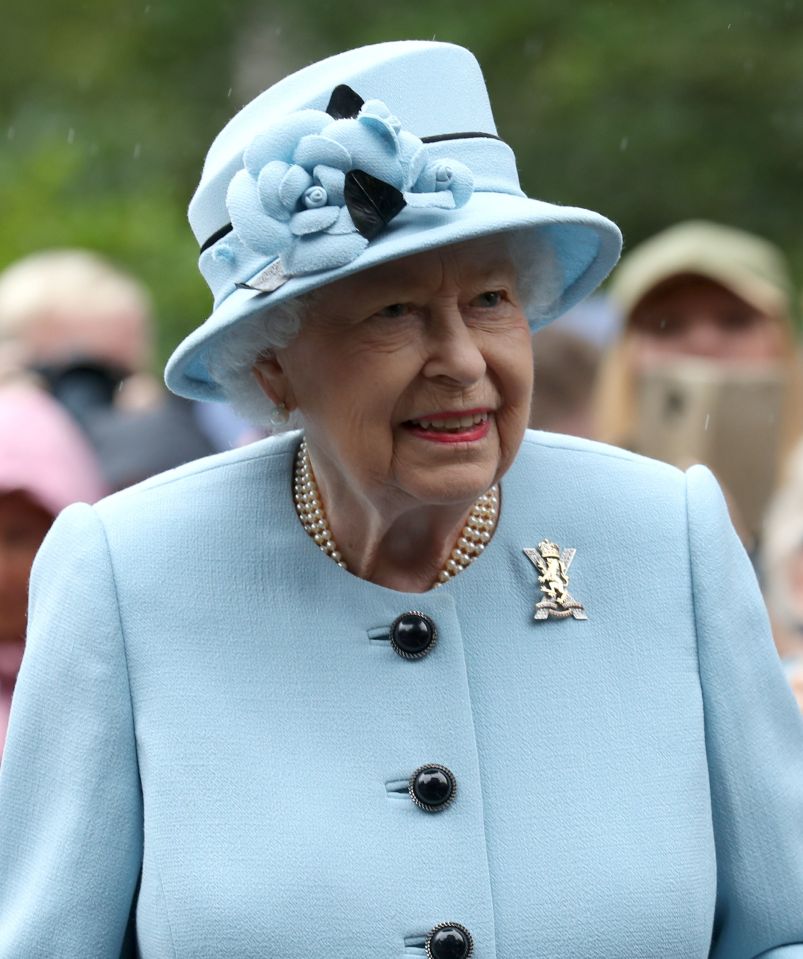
[449,423]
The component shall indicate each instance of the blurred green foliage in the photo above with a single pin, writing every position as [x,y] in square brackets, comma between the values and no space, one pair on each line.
[649,112]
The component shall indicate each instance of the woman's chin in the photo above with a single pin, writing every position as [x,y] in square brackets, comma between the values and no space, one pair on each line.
[450,472]
[455,487]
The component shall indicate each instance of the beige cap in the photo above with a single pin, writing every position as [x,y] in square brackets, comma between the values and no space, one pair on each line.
[747,265]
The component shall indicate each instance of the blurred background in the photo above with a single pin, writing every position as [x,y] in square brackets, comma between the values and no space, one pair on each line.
[649,112]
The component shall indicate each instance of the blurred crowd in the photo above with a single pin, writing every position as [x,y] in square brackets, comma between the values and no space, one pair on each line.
[691,355]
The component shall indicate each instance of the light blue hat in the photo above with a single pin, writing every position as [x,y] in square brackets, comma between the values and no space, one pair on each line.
[365,157]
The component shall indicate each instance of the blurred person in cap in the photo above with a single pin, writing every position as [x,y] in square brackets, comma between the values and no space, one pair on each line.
[85,327]
[408,679]
[45,464]
[703,290]
[713,299]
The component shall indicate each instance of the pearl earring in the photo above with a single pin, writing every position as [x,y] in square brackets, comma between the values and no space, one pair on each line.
[279,415]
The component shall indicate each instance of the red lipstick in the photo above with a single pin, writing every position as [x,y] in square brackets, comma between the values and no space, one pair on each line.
[437,428]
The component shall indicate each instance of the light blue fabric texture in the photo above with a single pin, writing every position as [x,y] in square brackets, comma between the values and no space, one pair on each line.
[207,699]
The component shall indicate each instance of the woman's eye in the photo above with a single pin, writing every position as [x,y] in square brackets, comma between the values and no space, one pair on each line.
[489,299]
[394,310]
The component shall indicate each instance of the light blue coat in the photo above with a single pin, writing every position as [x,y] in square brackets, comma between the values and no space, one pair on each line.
[210,723]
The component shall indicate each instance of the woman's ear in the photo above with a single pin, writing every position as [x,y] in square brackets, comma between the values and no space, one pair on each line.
[272,379]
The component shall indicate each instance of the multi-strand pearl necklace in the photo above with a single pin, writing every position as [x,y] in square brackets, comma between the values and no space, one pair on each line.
[475,534]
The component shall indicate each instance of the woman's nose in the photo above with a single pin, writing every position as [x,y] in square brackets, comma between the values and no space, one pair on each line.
[453,351]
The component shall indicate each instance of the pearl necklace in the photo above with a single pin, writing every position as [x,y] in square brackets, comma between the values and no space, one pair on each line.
[473,537]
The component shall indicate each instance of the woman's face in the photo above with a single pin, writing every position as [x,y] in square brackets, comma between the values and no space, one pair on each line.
[413,378]
[691,316]
[23,525]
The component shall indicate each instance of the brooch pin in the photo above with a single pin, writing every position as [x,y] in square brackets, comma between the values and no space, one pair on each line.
[553,578]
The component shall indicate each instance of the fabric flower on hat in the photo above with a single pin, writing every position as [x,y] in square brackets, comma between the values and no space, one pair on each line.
[314,190]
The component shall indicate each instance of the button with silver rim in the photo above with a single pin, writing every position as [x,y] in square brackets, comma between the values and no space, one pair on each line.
[413,635]
[432,787]
[449,940]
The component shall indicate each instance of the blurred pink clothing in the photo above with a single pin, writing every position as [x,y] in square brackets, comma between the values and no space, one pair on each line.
[10,659]
[43,452]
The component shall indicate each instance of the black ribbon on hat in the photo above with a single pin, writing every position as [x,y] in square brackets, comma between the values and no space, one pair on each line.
[372,203]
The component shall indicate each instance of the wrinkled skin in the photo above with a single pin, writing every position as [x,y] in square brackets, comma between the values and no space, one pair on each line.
[436,333]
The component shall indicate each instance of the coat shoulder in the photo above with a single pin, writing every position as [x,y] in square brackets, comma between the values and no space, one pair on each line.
[597,490]
[207,484]
[571,454]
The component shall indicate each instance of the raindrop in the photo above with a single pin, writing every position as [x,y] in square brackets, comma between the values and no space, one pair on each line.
[623,144]
[730,25]
[137,150]
[147,10]
[71,136]
[228,93]
[11,133]
[707,421]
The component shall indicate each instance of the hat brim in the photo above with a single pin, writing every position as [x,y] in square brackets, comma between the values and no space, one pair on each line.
[586,247]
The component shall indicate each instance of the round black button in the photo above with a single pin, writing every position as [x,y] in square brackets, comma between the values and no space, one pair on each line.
[449,940]
[413,635]
[433,787]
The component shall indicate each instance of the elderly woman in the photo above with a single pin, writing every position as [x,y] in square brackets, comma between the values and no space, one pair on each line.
[414,682]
